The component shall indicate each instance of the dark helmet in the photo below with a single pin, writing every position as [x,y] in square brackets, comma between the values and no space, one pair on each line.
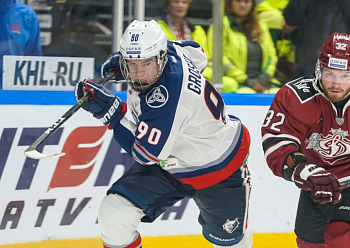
[334,53]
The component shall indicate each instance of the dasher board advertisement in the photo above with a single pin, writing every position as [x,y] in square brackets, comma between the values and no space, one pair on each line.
[45,73]
[59,198]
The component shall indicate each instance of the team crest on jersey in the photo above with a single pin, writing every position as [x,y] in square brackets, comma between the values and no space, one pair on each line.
[157,97]
[231,225]
[332,147]
[339,121]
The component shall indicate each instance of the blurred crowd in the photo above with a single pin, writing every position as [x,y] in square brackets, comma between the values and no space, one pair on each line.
[265,43]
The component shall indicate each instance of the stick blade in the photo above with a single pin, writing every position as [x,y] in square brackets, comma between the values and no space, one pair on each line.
[34,154]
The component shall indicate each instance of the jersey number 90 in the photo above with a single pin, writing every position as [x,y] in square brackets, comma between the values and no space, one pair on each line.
[214,101]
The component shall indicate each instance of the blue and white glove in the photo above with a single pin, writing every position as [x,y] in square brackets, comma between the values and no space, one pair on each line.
[103,104]
[112,62]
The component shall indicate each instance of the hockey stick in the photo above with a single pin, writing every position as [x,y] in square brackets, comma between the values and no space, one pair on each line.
[344,182]
[31,150]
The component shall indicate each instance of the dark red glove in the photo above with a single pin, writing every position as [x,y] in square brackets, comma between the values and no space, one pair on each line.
[324,186]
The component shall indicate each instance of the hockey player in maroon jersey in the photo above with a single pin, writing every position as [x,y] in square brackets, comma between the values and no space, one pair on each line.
[306,140]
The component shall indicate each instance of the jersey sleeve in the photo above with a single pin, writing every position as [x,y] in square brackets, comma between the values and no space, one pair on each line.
[195,53]
[284,127]
[124,134]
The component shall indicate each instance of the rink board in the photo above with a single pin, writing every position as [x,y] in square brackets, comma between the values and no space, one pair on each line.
[56,200]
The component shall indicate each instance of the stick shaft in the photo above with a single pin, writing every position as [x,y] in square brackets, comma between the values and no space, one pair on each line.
[109,75]
[344,182]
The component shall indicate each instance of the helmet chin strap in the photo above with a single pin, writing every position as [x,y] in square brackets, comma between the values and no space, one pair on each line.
[318,70]
[162,60]
[318,80]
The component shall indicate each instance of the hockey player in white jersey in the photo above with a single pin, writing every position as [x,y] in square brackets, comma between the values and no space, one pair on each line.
[183,141]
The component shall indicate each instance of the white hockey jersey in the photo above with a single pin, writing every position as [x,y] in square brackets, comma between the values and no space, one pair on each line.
[182,124]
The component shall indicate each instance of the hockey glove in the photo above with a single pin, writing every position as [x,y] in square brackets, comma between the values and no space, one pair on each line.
[324,186]
[103,104]
[112,62]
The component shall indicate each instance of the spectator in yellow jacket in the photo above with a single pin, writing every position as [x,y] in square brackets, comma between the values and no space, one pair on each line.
[176,26]
[249,56]
[271,12]
[272,15]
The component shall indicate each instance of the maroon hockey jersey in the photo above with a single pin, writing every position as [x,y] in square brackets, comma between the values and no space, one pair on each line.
[302,119]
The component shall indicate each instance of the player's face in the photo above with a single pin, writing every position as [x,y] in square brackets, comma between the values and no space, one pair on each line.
[178,8]
[241,8]
[143,71]
[336,83]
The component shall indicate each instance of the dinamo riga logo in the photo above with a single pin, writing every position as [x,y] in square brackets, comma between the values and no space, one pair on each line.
[331,148]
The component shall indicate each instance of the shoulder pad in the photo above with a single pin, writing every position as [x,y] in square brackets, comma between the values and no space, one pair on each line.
[303,88]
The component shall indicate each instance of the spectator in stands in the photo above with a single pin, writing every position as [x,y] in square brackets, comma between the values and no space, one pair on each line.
[177,27]
[19,31]
[312,21]
[271,12]
[249,56]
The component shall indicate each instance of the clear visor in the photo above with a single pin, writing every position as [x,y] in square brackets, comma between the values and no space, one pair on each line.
[335,75]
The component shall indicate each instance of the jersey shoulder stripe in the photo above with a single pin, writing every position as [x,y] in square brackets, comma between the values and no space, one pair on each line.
[206,177]
[303,89]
